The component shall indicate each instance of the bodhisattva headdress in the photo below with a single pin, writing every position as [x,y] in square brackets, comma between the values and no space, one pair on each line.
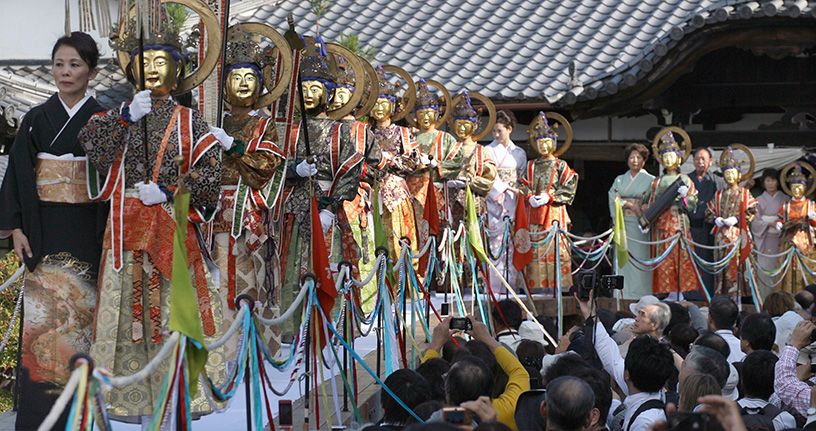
[798,173]
[463,110]
[540,128]
[244,51]
[665,142]
[150,19]
[729,160]
[314,64]
[401,106]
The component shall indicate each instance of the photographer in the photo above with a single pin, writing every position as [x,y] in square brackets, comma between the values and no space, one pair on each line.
[644,372]
[465,377]
[788,385]
[722,315]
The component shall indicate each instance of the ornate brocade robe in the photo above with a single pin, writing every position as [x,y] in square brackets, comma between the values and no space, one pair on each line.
[447,153]
[800,232]
[737,202]
[134,289]
[677,272]
[556,178]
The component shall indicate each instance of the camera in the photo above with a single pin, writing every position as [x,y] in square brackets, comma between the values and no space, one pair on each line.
[689,421]
[603,286]
[457,416]
[461,323]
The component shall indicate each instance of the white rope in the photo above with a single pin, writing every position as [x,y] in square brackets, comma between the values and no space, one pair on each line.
[13,278]
[10,328]
[341,278]
[660,241]
[239,318]
[459,231]
[371,274]
[286,314]
[586,238]
[149,368]
[772,255]
[424,249]
[62,401]
[401,260]
[709,247]
[444,241]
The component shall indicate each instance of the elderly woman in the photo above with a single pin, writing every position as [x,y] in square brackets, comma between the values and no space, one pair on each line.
[630,187]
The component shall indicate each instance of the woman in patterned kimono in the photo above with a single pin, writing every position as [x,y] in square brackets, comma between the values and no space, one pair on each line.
[511,160]
[551,184]
[766,236]
[677,273]
[630,187]
[134,288]
[797,224]
[478,168]
[56,229]
[731,210]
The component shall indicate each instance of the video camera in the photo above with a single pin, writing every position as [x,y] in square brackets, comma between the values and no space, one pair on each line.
[587,281]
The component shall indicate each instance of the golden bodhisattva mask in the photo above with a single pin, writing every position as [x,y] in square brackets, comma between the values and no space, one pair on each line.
[161,72]
[242,87]
[670,160]
[341,97]
[731,176]
[426,118]
[382,109]
[463,129]
[314,94]
[545,146]
[798,190]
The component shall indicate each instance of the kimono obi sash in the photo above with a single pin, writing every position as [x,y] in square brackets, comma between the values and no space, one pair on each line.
[62,179]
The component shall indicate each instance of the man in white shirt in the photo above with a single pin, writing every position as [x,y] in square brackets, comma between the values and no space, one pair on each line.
[758,380]
[722,315]
[643,374]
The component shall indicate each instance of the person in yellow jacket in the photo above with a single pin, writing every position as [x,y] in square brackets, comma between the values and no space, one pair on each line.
[518,381]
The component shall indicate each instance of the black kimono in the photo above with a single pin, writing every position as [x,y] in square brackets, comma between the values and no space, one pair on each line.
[44,193]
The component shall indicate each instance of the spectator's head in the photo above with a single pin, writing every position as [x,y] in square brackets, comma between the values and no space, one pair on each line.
[574,365]
[770,180]
[535,377]
[511,312]
[695,386]
[652,319]
[722,313]
[679,316]
[681,337]
[434,371]
[565,365]
[449,349]
[428,408]
[758,374]
[778,303]
[705,360]
[804,299]
[411,388]
[468,379]
[530,353]
[648,365]
[492,426]
[569,404]
[714,341]
[482,351]
[757,332]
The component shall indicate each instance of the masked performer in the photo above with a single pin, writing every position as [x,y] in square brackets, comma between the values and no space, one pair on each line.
[142,174]
[797,224]
[511,160]
[440,154]
[334,160]
[630,187]
[478,168]
[731,211]
[55,227]
[677,272]
[551,184]
[252,171]
[399,159]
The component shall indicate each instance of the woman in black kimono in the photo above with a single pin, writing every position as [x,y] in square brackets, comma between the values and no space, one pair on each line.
[56,229]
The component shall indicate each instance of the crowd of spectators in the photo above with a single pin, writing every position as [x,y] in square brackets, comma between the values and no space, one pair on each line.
[660,367]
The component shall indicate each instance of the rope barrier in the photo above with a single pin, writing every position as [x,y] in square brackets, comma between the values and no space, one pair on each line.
[13,278]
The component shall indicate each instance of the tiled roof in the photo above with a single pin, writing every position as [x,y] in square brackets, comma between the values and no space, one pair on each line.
[520,49]
[29,83]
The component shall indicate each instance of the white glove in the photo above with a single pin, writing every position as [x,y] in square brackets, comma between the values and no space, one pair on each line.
[539,200]
[150,193]
[424,159]
[812,215]
[768,219]
[222,136]
[306,169]
[779,226]
[682,191]
[326,220]
[140,105]
[731,221]
[456,184]
[719,222]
